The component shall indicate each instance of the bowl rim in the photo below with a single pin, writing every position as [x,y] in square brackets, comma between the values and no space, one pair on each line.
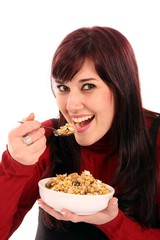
[44,180]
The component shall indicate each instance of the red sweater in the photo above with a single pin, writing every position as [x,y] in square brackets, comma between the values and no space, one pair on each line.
[19,190]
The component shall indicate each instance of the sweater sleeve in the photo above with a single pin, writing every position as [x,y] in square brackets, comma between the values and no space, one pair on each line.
[18,191]
[19,188]
[123,228]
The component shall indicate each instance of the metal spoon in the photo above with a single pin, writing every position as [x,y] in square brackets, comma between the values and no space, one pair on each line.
[55,131]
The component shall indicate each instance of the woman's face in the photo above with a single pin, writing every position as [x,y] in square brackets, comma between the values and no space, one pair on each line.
[88,103]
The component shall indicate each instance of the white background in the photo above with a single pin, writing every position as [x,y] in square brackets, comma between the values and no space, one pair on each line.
[29,34]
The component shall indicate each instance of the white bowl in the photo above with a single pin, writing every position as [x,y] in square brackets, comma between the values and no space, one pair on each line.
[79,204]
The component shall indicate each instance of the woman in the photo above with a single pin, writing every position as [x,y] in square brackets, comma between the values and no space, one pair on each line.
[95,80]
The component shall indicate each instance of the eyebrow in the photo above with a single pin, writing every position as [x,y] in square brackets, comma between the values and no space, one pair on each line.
[81,80]
[87,79]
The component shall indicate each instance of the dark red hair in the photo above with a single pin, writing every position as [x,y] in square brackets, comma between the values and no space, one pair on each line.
[115,63]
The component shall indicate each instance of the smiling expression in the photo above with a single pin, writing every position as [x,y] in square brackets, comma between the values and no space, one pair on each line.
[86,102]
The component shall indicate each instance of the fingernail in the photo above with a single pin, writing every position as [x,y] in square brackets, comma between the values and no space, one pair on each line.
[39,203]
[63,213]
[116,200]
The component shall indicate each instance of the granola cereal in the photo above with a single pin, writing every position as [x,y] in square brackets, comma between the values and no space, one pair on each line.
[84,184]
[66,129]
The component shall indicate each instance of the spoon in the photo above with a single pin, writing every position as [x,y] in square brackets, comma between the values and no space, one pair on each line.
[55,131]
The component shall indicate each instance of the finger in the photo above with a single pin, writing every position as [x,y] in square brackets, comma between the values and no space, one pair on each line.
[30,117]
[64,214]
[101,217]
[113,203]
[49,210]
[36,146]
[29,155]
[25,128]
[35,135]
[112,208]
[67,215]
[34,157]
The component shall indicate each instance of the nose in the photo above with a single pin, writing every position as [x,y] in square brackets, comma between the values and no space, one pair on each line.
[74,101]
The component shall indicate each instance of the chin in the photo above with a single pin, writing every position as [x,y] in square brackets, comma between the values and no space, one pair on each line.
[85,141]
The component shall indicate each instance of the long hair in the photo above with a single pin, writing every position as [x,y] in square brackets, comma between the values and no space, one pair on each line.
[115,63]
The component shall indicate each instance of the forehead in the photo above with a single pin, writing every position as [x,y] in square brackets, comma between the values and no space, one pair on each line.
[68,73]
[86,73]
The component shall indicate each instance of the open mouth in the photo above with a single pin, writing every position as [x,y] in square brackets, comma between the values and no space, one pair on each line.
[82,121]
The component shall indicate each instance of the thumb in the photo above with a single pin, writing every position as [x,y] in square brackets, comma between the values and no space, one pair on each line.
[113,203]
[30,117]
[112,208]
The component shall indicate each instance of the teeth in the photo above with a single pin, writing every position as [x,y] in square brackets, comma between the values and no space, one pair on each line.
[81,119]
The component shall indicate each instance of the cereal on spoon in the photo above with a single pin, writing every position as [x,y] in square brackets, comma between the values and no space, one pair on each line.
[67,129]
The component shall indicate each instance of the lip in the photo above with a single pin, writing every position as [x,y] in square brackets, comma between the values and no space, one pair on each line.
[82,130]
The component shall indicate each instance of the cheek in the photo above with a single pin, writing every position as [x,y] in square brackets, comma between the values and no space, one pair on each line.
[60,103]
[104,102]
[106,110]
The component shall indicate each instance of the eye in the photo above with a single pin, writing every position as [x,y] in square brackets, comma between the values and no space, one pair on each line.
[88,86]
[62,88]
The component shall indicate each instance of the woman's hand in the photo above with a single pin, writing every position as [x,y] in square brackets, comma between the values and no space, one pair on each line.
[98,218]
[19,150]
